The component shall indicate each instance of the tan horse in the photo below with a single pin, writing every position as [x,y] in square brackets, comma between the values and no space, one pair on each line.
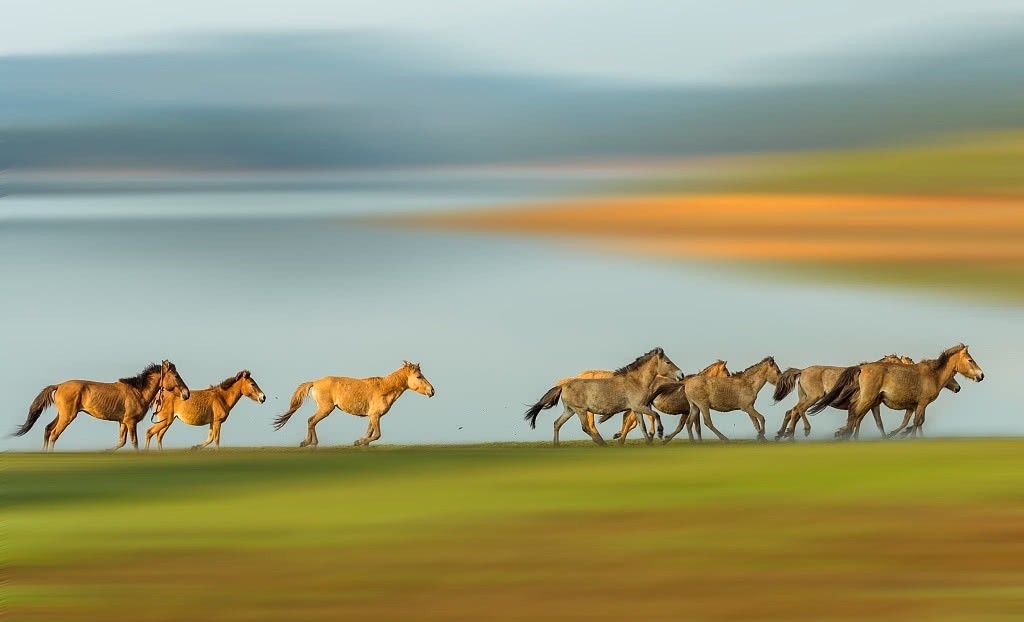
[362,397]
[899,387]
[672,402]
[736,392]
[815,381]
[591,374]
[627,389]
[125,401]
[204,407]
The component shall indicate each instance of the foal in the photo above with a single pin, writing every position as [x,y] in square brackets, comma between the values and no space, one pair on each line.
[205,407]
[736,392]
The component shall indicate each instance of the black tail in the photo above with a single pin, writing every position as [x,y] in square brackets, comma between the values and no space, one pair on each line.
[662,389]
[847,384]
[787,382]
[549,400]
[43,401]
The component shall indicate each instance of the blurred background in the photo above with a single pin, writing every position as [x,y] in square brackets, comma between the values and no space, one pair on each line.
[508,193]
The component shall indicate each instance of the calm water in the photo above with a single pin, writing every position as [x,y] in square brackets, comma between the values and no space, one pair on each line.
[95,287]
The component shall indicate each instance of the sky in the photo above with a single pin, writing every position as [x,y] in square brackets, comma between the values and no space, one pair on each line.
[644,40]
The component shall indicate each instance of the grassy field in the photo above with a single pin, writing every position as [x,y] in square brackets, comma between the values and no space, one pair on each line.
[808,531]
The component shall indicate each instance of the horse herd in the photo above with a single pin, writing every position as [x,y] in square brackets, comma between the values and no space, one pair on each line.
[641,391]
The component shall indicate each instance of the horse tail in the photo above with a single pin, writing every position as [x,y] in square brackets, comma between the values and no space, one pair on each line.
[297,400]
[43,401]
[787,382]
[847,384]
[661,390]
[547,401]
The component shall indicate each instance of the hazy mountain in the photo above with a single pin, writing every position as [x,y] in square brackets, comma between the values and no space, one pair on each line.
[351,99]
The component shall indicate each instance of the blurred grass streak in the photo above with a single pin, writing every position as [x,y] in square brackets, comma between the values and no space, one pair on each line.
[929,530]
[990,163]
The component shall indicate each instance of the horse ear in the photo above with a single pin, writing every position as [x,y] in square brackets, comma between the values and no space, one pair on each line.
[245,373]
[406,363]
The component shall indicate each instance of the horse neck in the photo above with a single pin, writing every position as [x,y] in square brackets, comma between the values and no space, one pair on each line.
[647,373]
[944,374]
[150,389]
[757,377]
[231,394]
[395,383]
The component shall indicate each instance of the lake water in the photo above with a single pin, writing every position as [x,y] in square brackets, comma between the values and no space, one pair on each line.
[96,286]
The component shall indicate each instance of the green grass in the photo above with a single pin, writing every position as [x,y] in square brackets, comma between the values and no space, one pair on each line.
[978,164]
[509,531]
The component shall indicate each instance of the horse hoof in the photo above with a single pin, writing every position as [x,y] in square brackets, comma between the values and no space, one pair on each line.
[616,435]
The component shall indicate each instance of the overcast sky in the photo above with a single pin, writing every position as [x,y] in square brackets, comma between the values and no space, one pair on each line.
[662,40]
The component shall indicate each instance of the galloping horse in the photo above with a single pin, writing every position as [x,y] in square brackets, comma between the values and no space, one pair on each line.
[590,374]
[125,401]
[736,392]
[626,389]
[671,402]
[204,407]
[899,387]
[362,397]
[817,380]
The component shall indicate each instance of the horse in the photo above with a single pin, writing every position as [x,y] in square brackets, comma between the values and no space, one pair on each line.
[671,403]
[626,389]
[204,407]
[606,373]
[899,387]
[724,394]
[814,381]
[362,397]
[125,401]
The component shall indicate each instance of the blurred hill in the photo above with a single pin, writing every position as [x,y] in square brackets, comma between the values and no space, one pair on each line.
[278,101]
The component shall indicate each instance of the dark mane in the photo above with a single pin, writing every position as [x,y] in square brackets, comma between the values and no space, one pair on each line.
[947,354]
[226,384]
[740,373]
[139,381]
[638,362]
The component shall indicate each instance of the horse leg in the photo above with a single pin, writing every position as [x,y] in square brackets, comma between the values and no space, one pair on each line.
[318,416]
[693,422]
[46,432]
[906,420]
[679,428]
[133,433]
[216,432]
[781,434]
[915,430]
[705,412]
[628,423]
[661,428]
[372,431]
[64,419]
[122,436]
[162,432]
[157,430]
[877,412]
[209,439]
[758,420]
[590,421]
[594,435]
[648,438]
[565,416]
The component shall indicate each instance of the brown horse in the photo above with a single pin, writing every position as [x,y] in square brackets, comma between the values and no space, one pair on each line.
[899,387]
[673,402]
[736,392]
[204,407]
[125,401]
[626,389]
[815,381]
[362,397]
